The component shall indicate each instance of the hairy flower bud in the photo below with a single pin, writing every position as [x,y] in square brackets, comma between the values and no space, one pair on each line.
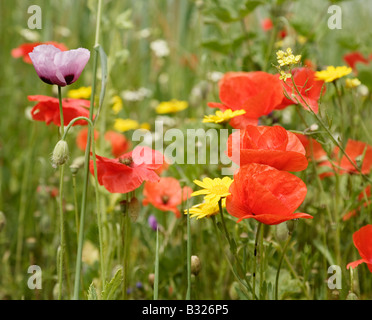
[195,265]
[60,153]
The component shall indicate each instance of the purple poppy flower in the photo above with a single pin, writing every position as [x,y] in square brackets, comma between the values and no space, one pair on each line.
[54,66]
[152,222]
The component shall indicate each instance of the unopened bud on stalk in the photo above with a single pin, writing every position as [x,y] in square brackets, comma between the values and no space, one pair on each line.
[2,221]
[352,296]
[195,265]
[281,231]
[31,243]
[291,225]
[134,209]
[60,153]
[151,279]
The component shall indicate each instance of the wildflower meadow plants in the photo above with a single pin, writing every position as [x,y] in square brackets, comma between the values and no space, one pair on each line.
[204,150]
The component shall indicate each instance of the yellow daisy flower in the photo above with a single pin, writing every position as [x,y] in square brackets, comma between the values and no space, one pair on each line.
[81,93]
[205,209]
[352,83]
[145,126]
[123,125]
[214,190]
[117,104]
[222,117]
[332,73]
[171,106]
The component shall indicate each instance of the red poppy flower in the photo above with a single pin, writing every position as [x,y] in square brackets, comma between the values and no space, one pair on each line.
[273,146]
[126,173]
[258,93]
[266,194]
[366,193]
[353,58]
[166,194]
[47,110]
[24,49]
[309,88]
[119,144]
[266,24]
[82,138]
[355,150]
[363,242]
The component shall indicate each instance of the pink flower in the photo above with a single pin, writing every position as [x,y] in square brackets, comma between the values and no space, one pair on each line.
[54,66]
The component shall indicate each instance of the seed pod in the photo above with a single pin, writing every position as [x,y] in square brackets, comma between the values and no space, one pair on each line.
[195,265]
[60,153]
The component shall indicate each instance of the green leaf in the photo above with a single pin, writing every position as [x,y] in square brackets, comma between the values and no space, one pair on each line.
[326,253]
[109,291]
[92,293]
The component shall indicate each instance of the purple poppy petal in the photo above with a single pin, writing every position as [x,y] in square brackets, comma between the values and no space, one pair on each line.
[71,63]
[42,58]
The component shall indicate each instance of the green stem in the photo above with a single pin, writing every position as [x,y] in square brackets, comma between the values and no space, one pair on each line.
[23,200]
[156,281]
[255,255]
[126,238]
[62,127]
[233,249]
[61,214]
[280,265]
[330,133]
[188,293]
[62,232]
[87,157]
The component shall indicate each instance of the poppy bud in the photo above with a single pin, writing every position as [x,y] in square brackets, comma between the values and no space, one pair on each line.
[195,265]
[2,221]
[352,296]
[291,225]
[151,279]
[77,164]
[281,231]
[60,153]
[134,208]
[31,243]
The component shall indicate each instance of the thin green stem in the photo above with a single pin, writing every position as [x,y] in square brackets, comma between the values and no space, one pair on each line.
[334,140]
[188,293]
[61,213]
[85,185]
[280,265]
[62,127]
[255,256]
[23,200]
[156,281]
[62,232]
[87,157]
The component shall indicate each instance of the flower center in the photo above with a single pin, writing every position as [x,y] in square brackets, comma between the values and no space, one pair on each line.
[69,78]
[165,199]
[219,189]
[127,161]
